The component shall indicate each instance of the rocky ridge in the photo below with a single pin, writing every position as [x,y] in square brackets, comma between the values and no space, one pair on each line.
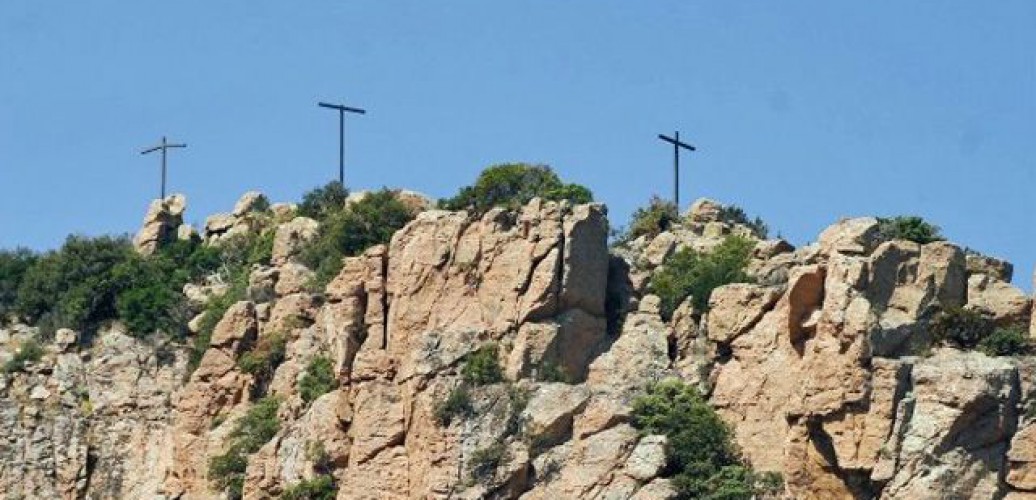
[820,367]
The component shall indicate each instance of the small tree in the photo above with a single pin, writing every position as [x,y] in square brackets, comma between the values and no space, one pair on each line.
[658,216]
[13,266]
[688,273]
[256,428]
[322,202]
[512,185]
[318,380]
[483,366]
[910,228]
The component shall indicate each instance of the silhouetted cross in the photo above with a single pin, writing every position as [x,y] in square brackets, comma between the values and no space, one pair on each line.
[675,141]
[164,146]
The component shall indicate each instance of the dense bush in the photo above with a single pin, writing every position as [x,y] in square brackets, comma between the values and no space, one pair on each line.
[29,352]
[485,461]
[512,185]
[351,230]
[259,425]
[322,202]
[658,216]
[74,286]
[456,405]
[321,487]
[1010,341]
[13,266]
[483,366]
[736,215]
[688,273]
[318,380]
[701,456]
[910,228]
[961,328]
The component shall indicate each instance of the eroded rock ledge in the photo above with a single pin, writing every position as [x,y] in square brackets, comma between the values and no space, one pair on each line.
[821,368]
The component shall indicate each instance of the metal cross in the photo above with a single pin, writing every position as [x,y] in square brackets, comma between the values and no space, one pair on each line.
[675,141]
[164,146]
[341,134]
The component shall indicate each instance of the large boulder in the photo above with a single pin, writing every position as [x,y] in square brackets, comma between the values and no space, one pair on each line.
[161,223]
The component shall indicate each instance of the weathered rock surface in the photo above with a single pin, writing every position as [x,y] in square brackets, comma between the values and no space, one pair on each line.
[824,368]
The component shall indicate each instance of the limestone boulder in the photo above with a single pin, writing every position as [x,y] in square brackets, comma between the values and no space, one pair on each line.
[291,237]
[857,236]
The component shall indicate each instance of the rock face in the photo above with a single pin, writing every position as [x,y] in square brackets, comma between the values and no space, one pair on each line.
[824,368]
[161,224]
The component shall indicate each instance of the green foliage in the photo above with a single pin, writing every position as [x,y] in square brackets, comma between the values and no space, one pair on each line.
[318,380]
[512,185]
[322,202]
[483,366]
[1010,341]
[736,215]
[259,425]
[688,273]
[262,360]
[321,487]
[485,461]
[961,328]
[700,456]
[73,286]
[456,405]
[658,216]
[910,228]
[351,230]
[13,266]
[29,352]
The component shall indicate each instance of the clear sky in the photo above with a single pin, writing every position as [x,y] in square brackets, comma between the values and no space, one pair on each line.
[803,111]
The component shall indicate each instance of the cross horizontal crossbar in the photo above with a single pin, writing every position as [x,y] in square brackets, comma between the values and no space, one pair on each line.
[163,146]
[676,143]
[339,107]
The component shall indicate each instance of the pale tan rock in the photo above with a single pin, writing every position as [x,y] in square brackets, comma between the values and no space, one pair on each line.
[291,237]
[1005,303]
[657,489]
[161,223]
[218,224]
[293,278]
[647,459]
[703,211]
[236,326]
[997,269]
[736,308]
[850,236]
[65,338]
[1022,459]
[661,247]
[252,201]
[548,416]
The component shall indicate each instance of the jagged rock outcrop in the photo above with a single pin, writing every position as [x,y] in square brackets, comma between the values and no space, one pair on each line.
[163,223]
[824,367]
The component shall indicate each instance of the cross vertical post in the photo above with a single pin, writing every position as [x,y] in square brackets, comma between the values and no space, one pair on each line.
[163,147]
[341,134]
[677,145]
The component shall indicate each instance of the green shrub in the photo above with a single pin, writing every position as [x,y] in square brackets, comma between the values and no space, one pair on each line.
[262,360]
[319,488]
[736,215]
[318,380]
[701,456]
[961,328]
[688,273]
[13,266]
[1011,341]
[512,185]
[74,286]
[910,228]
[457,404]
[485,461]
[29,352]
[483,366]
[256,428]
[351,230]
[324,201]
[658,216]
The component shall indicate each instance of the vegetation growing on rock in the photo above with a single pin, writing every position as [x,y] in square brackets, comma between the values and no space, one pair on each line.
[658,216]
[736,215]
[348,230]
[701,457]
[456,405]
[321,487]
[319,379]
[688,273]
[259,425]
[13,266]
[512,185]
[910,228]
[30,351]
[483,366]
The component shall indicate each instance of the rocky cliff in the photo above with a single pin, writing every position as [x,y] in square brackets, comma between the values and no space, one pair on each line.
[825,368]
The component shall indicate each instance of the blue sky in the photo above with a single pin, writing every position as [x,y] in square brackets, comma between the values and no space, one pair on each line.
[803,113]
